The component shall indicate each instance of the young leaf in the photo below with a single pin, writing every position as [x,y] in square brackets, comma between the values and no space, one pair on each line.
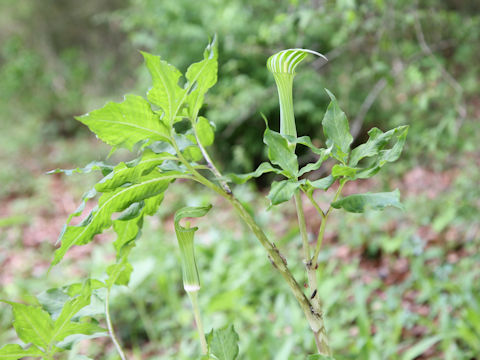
[337,130]
[127,123]
[109,203]
[262,169]
[32,324]
[201,76]
[204,131]
[165,93]
[282,191]
[15,352]
[223,343]
[280,153]
[358,203]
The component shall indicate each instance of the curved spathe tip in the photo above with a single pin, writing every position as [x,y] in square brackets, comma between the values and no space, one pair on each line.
[286,61]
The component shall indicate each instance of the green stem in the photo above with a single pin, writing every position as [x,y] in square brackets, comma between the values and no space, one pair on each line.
[111,331]
[302,225]
[193,295]
[321,232]
[314,318]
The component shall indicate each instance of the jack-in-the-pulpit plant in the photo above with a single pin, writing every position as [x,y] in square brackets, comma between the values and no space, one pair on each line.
[131,191]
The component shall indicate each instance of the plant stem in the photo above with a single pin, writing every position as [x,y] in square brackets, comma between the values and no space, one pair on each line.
[111,331]
[303,226]
[320,336]
[314,318]
[193,295]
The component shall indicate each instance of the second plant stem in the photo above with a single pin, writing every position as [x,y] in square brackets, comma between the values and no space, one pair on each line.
[321,339]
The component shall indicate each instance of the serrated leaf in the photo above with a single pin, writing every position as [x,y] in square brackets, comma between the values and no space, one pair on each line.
[15,352]
[109,203]
[165,93]
[337,130]
[119,273]
[376,201]
[377,142]
[280,153]
[132,171]
[263,168]
[282,191]
[201,76]
[93,166]
[223,343]
[32,324]
[204,131]
[126,124]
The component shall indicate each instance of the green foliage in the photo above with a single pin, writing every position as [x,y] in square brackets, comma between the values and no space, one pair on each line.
[358,203]
[50,331]
[223,343]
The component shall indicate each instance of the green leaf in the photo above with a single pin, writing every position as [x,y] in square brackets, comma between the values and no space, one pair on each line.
[15,352]
[262,169]
[165,93]
[280,153]
[340,170]
[185,237]
[337,130]
[32,324]
[223,343]
[93,166]
[323,183]
[201,76]
[132,171]
[204,131]
[282,191]
[109,203]
[126,124]
[377,142]
[377,201]
[119,273]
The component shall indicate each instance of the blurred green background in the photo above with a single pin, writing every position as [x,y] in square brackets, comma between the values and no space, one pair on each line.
[397,285]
